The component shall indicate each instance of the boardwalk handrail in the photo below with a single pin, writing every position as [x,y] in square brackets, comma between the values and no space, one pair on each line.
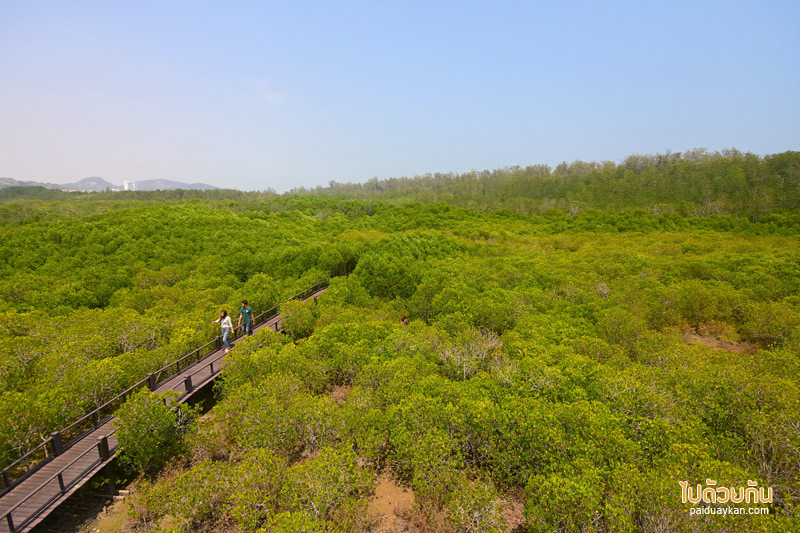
[63,486]
[56,439]
[189,384]
[31,470]
[95,415]
[176,363]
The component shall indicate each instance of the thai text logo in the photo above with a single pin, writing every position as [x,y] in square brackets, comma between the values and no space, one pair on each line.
[710,493]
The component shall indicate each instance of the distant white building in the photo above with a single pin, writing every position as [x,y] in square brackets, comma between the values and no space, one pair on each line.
[129,185]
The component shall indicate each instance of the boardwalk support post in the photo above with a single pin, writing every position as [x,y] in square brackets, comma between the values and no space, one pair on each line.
[58,445]
[112,486]
[151,381]
[105,455]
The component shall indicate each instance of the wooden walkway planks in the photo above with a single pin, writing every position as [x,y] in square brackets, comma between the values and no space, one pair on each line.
[38,495]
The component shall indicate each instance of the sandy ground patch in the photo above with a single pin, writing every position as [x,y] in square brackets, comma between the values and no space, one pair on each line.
[112,519]
[339,394]
[386,504]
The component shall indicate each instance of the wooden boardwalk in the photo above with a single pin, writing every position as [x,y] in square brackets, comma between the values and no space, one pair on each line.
[27,503]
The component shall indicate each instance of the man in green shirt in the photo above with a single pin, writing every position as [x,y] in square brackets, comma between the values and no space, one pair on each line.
[247,315]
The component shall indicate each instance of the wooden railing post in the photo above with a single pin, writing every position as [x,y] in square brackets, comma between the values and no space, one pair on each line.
[102,447]
[105,455]
[218,342]
[187,382]
[11,527]
[58,445]
[151,381]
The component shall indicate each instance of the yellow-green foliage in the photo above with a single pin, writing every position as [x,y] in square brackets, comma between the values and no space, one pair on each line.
[579,365]
[150,429]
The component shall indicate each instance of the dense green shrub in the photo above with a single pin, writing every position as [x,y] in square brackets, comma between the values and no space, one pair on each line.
[475,507]
[329,486]
[387,276]
[298,318]
[277,412]
[150,429]
[207,492]
[568,501]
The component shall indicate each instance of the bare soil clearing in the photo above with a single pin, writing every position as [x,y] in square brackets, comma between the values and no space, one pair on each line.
[388,502]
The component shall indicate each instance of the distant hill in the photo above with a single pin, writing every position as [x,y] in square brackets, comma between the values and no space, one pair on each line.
[10,182]
[90,185]
[154,185]
[95,184]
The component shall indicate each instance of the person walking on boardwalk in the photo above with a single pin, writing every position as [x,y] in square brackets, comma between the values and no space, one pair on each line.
[225,322]
[247,317]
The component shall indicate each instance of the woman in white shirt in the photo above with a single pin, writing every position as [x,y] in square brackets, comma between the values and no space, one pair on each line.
[225,322]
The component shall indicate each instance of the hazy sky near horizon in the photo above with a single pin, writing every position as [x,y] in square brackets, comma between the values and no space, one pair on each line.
[252,95]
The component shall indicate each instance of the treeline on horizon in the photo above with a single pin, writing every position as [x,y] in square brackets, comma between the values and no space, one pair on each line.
[692,183]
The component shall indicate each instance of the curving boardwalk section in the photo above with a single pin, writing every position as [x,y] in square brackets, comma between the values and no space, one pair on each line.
[29,501]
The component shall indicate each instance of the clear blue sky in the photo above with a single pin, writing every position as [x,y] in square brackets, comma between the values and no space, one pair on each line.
[253,95]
